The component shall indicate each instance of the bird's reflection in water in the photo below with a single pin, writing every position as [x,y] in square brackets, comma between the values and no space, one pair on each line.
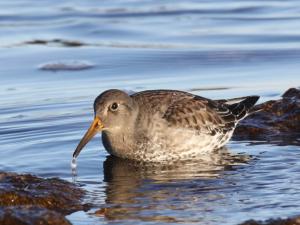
[151,192]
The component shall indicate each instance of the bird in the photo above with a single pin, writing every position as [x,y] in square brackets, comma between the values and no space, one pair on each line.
[164,125]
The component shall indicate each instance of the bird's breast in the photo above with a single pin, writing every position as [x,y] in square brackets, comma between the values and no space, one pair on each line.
[118,144]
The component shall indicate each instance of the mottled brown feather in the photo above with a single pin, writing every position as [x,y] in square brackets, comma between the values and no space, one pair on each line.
[185,110]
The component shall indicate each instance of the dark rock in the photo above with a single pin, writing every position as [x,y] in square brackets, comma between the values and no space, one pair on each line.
[277,121]
[68,43]
[36,42]
[58,42]
[67,65]
[27,199]
[289,221]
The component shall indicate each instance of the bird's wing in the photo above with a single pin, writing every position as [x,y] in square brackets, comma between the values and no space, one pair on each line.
[200,114]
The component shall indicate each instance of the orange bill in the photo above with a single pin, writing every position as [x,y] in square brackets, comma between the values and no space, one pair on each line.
[93,129]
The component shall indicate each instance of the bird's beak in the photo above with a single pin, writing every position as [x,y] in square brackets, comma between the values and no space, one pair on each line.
[96,126]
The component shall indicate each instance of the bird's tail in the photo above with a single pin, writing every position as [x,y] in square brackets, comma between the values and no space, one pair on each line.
[241,107]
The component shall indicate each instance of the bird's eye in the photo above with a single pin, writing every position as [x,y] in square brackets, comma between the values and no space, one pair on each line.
[114,106]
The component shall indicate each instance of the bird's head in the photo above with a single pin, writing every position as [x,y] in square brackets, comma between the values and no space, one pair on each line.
[113,111]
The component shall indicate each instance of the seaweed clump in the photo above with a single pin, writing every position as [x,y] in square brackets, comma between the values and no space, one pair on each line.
[276,121]
[27,199]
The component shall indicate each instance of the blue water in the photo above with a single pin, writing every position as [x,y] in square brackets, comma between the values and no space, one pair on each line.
[216,49]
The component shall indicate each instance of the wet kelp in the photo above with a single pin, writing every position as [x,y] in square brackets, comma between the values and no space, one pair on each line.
[27,199]
[289,221]
[21,215]
[277,121]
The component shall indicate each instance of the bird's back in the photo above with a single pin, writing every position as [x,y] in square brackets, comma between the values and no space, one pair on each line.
[157,101]
[170,103]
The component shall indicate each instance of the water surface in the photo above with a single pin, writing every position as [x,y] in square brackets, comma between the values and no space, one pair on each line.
[217,49]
